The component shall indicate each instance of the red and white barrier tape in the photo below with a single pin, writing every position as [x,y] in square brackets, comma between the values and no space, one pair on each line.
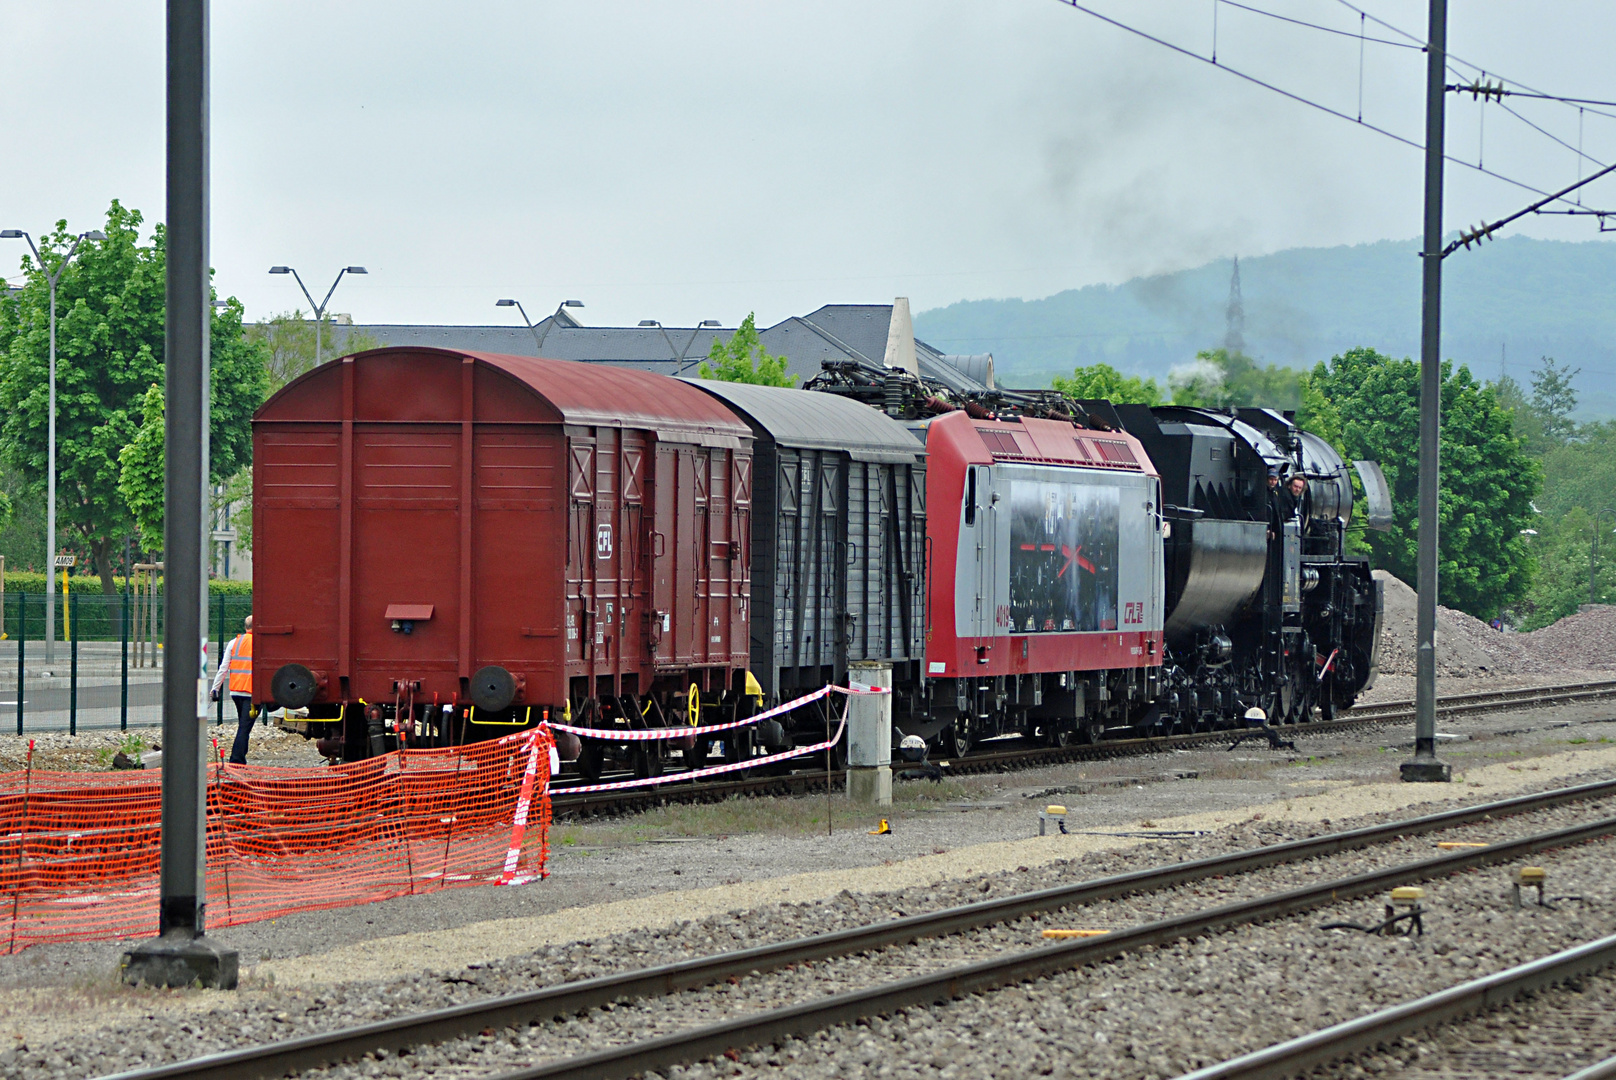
[657,734]
[523,803]
[713,770]
[652,734]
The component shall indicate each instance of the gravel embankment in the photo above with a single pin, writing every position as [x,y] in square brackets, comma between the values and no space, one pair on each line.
[265,1013]
[1467,648]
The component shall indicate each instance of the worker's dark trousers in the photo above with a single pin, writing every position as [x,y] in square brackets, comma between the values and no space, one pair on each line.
[244,726]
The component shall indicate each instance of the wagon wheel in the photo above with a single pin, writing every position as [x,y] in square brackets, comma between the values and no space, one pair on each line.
[1055,734]
[591,759]
[1092,729]
[648,760]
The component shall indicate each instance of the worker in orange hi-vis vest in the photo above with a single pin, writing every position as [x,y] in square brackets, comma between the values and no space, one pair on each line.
[236,666]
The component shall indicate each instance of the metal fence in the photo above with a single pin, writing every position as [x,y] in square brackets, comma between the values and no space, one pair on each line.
[106,669]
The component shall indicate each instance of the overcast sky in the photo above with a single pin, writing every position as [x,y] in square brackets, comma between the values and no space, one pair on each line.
[682,160]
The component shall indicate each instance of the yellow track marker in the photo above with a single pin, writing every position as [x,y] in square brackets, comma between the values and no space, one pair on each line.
[1449,845]
[1074,933]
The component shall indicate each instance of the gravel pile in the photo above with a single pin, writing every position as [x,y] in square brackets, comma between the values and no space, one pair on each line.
[266,1013]
[1586,639]
[1467,648]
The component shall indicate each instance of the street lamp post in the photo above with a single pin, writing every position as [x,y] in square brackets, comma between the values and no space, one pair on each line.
[1593,551]
[538,338]
[51,277]
[319,309]
[680,354]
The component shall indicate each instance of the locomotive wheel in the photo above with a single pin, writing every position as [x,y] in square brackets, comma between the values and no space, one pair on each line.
[591,759]
[959,738]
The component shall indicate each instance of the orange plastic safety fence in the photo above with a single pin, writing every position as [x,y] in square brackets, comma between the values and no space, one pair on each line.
[79,852]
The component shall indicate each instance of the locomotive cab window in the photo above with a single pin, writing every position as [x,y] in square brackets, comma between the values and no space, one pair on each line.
[970,496]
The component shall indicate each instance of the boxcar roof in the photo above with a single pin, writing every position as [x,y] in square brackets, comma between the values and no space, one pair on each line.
[819,421]
[574,393]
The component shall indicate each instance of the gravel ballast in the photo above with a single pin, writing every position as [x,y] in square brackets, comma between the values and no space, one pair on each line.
[1165,1011]
[1547,1036]
[271,1013]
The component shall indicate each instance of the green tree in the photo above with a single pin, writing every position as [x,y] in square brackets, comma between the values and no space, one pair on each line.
[1488,480]
[1219,378]
[140,471]
[1528,422]
[1582,473]
[1319,415]
[1102,381]
[22,541]
[110,315]
[742,358]
[1554,400]
[288,341]
[1560,586]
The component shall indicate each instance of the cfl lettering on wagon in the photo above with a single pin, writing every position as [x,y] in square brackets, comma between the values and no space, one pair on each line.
[1133,613]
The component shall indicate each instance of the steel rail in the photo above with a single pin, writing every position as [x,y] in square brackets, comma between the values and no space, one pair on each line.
[313,1051]
[985,975]
[676,791]
[1604,1070]
[1296,1056]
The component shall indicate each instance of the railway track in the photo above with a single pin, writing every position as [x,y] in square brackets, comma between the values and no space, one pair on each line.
[1366,1033]
[393,1035]
[804,781]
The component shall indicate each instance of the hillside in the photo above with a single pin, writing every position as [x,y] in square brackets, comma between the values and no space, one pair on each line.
[1529,298]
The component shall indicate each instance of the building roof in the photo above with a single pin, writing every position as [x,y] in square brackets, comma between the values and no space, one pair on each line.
[859,332]
[644,347]
[833,332]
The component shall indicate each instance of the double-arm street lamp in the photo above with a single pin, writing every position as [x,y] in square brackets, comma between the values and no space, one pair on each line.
[680,354]
[319,309]
[51,277]
[538,338]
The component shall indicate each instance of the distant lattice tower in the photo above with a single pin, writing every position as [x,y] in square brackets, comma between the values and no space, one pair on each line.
[1234,335]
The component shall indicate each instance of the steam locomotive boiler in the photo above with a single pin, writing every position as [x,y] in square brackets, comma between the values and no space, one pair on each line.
[1261,610]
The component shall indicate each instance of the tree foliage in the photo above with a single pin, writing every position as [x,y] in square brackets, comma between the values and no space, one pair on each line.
[110,341]
[1102,381]
[742,358]
[140,471]
[1488,480]
[1579,482]
[288,341]
[1219,378]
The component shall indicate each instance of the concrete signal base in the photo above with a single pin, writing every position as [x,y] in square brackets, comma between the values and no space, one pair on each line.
[1427,771]
[179,959]
[871,787]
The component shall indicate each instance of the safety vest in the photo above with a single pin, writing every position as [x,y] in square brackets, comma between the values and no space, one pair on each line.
[241,664]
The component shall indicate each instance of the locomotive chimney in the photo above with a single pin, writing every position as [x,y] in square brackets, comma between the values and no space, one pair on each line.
[901,338]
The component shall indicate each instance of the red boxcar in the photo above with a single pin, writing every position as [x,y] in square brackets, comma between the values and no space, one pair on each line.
[438,528]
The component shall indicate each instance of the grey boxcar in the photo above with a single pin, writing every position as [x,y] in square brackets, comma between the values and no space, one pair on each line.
[838,537]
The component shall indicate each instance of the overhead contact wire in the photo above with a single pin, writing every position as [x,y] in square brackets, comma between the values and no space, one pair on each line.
[1292,95]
